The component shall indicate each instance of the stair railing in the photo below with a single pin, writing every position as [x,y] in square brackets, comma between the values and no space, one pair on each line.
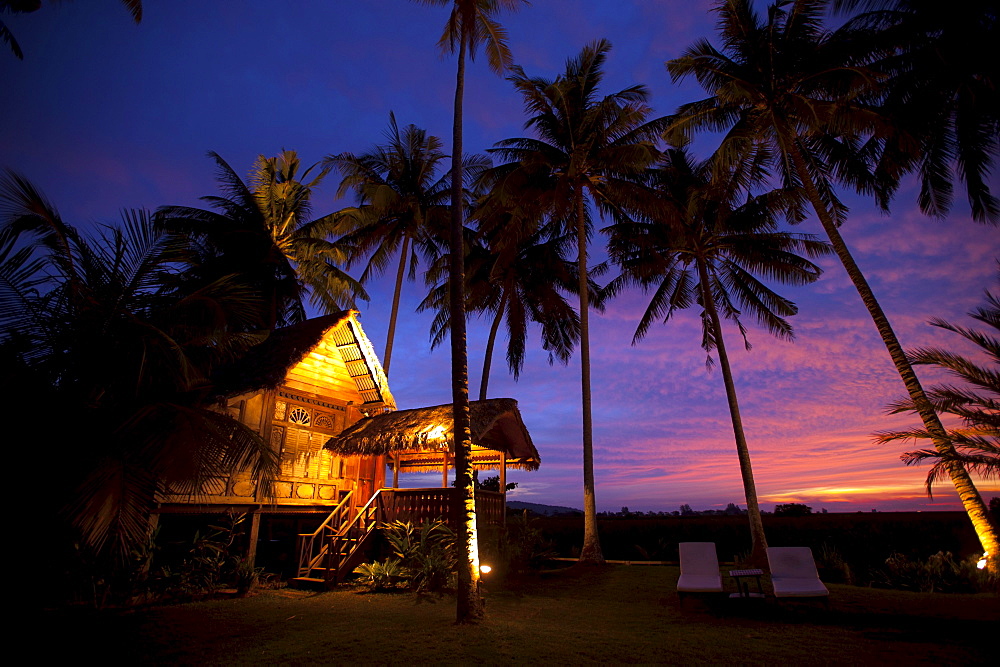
[347,542]
[313,546]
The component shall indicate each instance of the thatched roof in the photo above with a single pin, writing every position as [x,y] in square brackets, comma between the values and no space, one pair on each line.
[264,366]
[496,425]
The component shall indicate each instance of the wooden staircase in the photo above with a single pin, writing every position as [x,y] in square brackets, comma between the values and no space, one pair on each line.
[332,551]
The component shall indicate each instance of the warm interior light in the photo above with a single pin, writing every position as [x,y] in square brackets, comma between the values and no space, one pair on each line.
[485,569]
[437,433]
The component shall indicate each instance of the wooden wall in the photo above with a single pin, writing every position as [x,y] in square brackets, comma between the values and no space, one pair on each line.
[318,399]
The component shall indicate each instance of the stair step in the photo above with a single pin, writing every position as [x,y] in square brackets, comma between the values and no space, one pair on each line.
[309,583]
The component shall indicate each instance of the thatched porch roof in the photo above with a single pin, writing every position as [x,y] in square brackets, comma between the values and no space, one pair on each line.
[421,436]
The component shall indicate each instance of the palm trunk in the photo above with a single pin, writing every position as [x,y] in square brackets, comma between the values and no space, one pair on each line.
[967,492]
[469,607]
[591,552]
[391,334]
[758,553]
[488,356]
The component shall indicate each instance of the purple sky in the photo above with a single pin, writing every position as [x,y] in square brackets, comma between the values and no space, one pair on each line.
[103,115]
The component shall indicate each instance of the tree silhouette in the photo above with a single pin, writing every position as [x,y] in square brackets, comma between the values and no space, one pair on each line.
[700,239]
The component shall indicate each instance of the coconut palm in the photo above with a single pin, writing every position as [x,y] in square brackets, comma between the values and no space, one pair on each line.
[942,89]
[976,401]
[586,147]
[471,24]
[403,206]
[514,285]
[91,328]
[700,241]
[790,100]
[263,230]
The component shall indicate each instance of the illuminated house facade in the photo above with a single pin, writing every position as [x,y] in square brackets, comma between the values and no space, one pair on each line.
[317,393]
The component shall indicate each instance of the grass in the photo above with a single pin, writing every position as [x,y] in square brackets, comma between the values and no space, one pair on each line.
[610,614]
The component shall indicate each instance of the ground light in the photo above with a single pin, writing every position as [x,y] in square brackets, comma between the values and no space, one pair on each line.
[486,569]
[982,561]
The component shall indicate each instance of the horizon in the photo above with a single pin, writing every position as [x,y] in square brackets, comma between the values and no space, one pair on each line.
[696,511]
[104,115]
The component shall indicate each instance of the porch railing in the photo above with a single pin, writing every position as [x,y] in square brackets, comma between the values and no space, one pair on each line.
[418,505]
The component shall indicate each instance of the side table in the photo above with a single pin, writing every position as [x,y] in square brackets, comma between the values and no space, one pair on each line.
[743,585]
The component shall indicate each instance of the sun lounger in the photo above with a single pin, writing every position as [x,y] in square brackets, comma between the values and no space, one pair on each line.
[794,574]
[699,569]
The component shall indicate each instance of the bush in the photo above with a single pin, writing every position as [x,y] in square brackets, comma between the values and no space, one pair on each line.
[523,546]
[427,552]
[383,576]
[832,566]
[940,573]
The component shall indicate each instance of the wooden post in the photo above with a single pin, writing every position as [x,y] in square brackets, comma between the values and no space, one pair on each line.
[444,470]
[269,399]
[395,470]
[254,535]
[503,487]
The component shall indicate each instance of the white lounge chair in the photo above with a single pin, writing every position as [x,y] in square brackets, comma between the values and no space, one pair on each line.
[699,569]
[794,574]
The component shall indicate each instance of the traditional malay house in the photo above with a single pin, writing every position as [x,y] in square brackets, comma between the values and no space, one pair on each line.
[317,393]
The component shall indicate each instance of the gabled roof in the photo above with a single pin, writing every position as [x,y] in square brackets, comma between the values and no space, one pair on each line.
[267,364]
[496,426]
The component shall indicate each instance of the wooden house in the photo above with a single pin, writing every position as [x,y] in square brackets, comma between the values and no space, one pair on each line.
[317,393]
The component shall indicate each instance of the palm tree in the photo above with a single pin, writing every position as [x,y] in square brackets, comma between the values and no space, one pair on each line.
[791,100]
[263,231]
[403,206]
[471,23]
[976,402]
[586,147]
[134,8]
[701,241]
[92,328]
[942,90]
[514,281]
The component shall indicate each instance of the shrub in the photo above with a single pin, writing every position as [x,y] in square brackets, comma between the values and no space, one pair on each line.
[832,566]
[208,562]
[383,576]
[427,552]
[246,577]
[523,546]
[939,573]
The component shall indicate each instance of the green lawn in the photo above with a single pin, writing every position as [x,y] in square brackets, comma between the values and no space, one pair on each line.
[612,614]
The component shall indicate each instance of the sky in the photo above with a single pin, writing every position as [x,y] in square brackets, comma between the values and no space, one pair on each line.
[105,115]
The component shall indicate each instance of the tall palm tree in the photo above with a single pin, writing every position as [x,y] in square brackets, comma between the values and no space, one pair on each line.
[942,90]
[515,282]
[263,230]
[791,100]
[700,240]
[471,24]
[92,328]
[134,8]
[403,206]
[976,401]
[587,147]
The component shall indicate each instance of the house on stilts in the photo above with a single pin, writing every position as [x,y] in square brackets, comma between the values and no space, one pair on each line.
[317,393]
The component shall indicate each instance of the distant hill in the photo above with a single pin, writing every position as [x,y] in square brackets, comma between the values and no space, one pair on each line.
[544,510]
